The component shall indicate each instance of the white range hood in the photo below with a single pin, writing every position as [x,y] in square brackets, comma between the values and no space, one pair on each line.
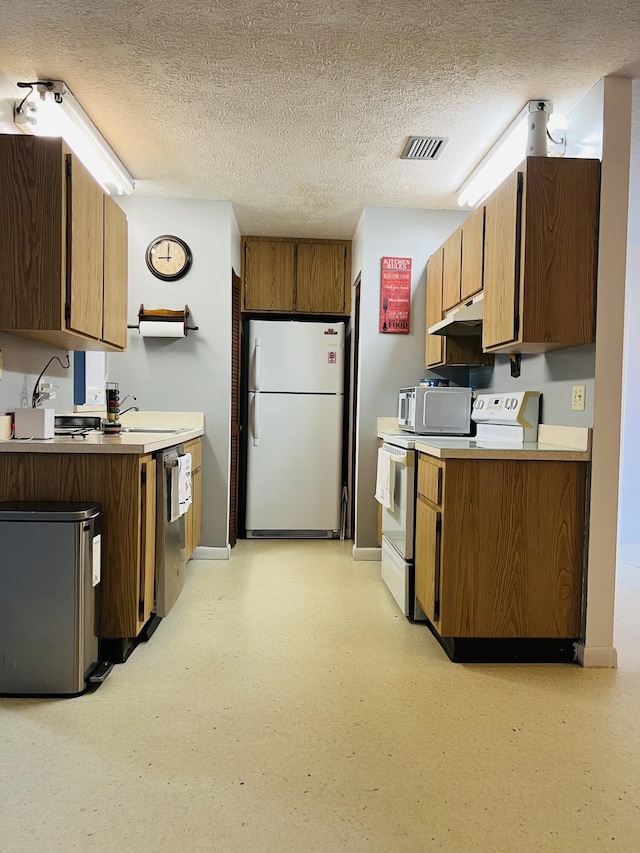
[464,320]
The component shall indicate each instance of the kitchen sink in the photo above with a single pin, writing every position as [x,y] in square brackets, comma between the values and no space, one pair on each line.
[152,429]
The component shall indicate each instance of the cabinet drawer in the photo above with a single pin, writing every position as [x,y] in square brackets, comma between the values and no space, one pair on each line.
[430,479]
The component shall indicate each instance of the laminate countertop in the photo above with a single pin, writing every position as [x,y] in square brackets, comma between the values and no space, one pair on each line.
[555,443]
[184,426]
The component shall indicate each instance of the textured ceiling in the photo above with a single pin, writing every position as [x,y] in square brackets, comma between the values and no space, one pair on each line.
[297,111]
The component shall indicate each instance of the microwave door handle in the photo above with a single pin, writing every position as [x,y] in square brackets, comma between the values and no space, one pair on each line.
[256,419]
[257,363]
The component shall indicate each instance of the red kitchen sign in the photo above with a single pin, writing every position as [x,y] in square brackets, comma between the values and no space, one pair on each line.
[395,296]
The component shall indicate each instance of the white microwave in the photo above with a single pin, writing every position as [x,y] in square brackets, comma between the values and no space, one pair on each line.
[435,411]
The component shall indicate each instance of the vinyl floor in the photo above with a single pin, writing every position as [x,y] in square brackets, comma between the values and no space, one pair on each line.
[285,704]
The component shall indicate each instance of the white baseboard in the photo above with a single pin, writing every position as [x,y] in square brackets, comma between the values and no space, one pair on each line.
[202,552]
[373,554]
[604,657]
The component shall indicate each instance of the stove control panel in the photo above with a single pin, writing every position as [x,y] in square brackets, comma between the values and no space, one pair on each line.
[513,407]
[513,414]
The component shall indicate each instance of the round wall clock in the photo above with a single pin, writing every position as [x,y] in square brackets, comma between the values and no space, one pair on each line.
[168,257]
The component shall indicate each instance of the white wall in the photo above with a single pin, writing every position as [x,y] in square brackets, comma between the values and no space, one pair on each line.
[22,360]
[192,373]
[629,518]
[388,362]
[598,127]
[603,121]
[554,374]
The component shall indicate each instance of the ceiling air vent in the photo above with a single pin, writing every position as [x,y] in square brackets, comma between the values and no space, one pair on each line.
[423,148]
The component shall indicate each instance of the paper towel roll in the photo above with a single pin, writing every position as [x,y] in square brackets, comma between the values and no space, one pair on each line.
[5,426]
[161,329]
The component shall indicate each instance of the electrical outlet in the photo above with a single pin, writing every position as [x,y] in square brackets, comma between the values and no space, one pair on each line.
[47,391]
[577,398]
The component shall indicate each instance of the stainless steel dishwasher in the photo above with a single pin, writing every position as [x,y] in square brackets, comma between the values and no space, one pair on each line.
[169,574]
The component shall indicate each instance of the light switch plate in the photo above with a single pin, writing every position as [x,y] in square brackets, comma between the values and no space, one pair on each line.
[577,398]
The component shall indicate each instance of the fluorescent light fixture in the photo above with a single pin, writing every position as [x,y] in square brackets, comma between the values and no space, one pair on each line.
[507,153]
[57,113]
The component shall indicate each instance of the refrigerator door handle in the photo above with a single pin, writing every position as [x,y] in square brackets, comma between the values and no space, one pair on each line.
[256,419]
[257,363]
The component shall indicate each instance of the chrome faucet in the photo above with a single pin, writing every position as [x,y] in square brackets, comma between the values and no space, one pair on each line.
[126,398]
[131,408]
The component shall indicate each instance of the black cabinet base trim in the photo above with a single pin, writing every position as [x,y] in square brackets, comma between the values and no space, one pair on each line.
[508,650]
[118,649]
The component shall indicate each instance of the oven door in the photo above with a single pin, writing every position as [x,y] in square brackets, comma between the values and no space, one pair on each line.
[397,523]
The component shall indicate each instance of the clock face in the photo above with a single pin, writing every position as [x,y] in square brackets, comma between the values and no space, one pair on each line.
[168,258]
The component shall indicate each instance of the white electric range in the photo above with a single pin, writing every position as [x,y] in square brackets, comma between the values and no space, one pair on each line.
[507,419]
[398,527]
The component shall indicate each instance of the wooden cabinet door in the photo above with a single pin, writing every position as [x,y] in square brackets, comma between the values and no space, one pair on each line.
[472,254]
[33,290]
[116,262]
[193,516]
[427,558]
[269,270]
[430,479]
[147,562]
[502,263]
[452,271]
[320,278]
[196,508]
[85,226]
[435,343]
[559,256]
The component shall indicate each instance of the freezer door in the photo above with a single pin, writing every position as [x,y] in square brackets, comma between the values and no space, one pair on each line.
[294,470]
[296,357]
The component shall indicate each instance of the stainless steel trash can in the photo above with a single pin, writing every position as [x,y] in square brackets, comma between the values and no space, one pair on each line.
[49,576]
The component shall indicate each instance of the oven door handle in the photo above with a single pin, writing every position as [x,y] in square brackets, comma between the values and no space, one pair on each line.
[397,456]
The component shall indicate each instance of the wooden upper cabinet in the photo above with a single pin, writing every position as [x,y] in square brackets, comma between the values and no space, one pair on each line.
[269,276]
[296,276]
[52,245]
[472,273]
[541,255]
[114,300]
[452,271]
[320,278]
[33,233]
[85,247]
[501,262]
[460,350]
[435,343]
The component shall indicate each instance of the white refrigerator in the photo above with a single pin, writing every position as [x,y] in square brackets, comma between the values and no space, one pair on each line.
[294,442]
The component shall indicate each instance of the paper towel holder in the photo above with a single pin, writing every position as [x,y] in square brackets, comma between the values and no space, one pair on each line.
[165,315]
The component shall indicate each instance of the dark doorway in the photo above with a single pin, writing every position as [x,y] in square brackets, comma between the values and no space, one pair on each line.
[354,398]
[235,409]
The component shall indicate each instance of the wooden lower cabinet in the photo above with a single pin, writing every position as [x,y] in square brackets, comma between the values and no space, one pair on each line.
[125,486]
[427,559]
[501,553]
[193,516]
